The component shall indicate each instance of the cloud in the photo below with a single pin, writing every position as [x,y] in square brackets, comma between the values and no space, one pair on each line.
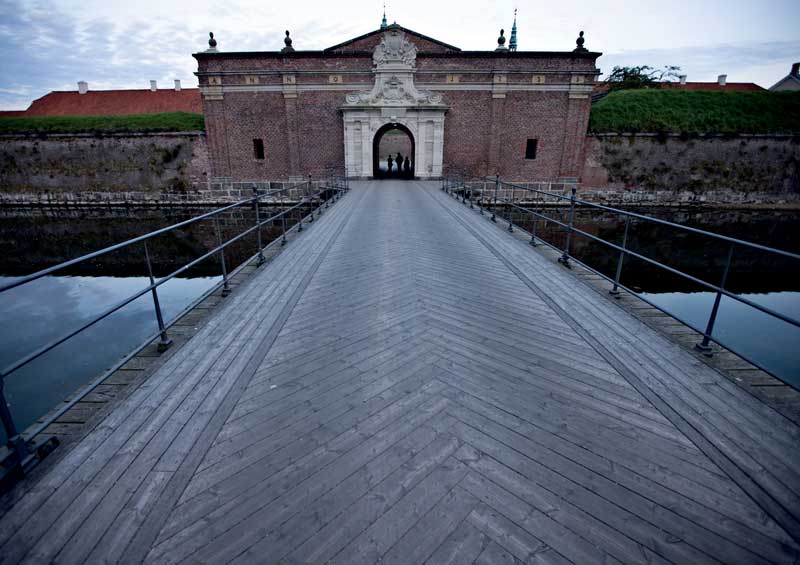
[763,63]
[51,44]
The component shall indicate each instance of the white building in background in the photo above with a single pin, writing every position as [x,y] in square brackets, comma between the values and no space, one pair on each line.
[790,82]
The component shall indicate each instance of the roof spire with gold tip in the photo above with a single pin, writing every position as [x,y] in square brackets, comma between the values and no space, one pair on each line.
[384,25]
[512,42]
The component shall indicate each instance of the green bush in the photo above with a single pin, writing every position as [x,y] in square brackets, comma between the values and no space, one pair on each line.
[169,121]
[691,112]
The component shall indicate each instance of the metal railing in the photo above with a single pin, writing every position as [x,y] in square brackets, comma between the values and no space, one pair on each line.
[505,193]
[22,453]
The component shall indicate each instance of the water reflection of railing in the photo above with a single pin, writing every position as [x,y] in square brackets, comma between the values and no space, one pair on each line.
[497,193]
[305,195]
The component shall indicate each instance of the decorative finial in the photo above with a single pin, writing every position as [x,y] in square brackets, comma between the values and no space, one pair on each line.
[501,42]
[579,42]
[384,25]
[212,43]
[512,42]
[288,42]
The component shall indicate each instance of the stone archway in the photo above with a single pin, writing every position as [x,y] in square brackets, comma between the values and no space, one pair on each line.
[378,156]
[394,99]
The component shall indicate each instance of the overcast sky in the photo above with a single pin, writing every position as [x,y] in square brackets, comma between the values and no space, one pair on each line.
[51,45]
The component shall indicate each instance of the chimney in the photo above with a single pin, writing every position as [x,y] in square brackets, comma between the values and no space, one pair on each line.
[83,87]
[177,85]
[796,70]
[153,86]
[683,79]
[722,80]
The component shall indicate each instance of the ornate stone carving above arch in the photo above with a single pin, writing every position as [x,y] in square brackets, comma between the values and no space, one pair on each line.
[394,98]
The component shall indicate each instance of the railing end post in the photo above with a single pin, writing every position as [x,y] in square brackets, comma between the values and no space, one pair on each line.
[164,343]
[704,347]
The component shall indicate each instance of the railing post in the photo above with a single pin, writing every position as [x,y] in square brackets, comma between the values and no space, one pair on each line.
[15,442]
[615,289]
[260,260]
[226,290]
[704,346]
[496,188]
[310,191]
[283,227]
[480,198]
[164,341]
[533,230]
[511,210]
[564,259]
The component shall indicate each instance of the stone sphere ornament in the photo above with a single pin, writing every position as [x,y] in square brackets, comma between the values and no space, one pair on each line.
[287,41]
[501,41]
[579,42]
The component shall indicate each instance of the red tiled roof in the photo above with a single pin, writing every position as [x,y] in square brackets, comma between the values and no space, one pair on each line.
[11,113]
[116,102]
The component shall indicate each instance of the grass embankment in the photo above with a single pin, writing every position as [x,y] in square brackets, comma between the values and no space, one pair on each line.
[136,123]
[665,111]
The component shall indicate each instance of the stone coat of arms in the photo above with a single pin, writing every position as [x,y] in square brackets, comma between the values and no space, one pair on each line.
[395,60]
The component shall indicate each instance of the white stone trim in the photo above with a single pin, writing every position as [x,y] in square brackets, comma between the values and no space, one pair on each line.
[351,87]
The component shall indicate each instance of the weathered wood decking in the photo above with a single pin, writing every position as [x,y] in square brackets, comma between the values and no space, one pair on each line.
[408,383]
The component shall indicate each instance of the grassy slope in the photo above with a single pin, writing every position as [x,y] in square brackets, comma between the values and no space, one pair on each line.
[171,121]
[654,111]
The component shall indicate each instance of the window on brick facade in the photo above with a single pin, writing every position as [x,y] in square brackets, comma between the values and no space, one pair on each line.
[258,148]
[530,149]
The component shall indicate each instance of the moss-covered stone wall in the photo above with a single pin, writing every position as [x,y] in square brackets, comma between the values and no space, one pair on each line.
[116,167]
[745,169]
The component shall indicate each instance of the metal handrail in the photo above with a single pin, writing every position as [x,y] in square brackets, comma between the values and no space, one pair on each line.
[16,442]
[566,255]
[658,221]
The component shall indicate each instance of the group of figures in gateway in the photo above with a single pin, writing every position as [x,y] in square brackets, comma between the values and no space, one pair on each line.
[398,167]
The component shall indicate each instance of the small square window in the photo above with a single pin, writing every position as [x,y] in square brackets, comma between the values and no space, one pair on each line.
[530,149]
[258,148]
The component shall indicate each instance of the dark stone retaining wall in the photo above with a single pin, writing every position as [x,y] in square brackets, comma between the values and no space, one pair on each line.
[643,169]
[744,170]
[134,168]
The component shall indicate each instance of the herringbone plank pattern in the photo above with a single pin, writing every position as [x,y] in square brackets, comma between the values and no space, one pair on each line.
[420,403]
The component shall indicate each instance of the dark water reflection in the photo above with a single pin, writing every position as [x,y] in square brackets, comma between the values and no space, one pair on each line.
[767,279]
[46,309]
[36,313]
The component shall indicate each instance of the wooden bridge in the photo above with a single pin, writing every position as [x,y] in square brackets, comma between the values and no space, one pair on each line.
[406,383]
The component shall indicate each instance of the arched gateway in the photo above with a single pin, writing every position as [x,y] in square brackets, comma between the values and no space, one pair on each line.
[394,102]
[404,145]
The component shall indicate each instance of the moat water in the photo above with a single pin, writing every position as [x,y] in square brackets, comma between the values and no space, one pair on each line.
[38,312]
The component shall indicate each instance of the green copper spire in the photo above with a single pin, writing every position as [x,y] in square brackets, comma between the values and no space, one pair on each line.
[384,25]
[512,43]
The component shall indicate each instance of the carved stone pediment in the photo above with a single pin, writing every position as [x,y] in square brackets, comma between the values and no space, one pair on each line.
[394,49]
[394,90]
[395,58]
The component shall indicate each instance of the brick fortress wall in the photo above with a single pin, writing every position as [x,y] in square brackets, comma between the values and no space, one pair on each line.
[497,101]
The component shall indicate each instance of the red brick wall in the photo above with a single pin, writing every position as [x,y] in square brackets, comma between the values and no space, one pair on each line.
[482,134]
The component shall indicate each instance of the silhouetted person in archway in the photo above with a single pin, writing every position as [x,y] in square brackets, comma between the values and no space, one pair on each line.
[399,161]
[389,163]
[407,168]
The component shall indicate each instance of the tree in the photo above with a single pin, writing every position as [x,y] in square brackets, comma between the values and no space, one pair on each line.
[622,78]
